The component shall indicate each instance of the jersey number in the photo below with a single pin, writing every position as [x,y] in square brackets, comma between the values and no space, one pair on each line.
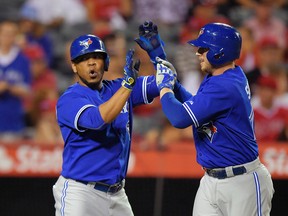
[247,89]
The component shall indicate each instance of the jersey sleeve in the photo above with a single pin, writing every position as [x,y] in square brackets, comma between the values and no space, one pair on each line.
[174,111]
[145,90]
[70,108]
[213,100]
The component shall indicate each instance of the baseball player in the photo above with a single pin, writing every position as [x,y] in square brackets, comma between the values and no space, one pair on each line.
[95,118]
[235,182]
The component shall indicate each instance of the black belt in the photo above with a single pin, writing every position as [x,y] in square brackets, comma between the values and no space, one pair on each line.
[105,187]
[221,173]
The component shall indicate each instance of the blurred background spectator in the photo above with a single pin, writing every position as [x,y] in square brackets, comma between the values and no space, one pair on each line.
[271,118]
[32,31]
[269,53]
[10,9]
[248,53]
[60,20]
[40,105]
[115,43]
[169,16]
[107,16]
[186,62]
[15,81]
[264,23]
[206,11]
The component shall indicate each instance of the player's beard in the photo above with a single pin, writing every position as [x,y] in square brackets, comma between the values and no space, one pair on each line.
[97,85]
[206,68]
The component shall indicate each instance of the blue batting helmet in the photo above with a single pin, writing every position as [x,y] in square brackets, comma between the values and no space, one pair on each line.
[223,41]
[88,44]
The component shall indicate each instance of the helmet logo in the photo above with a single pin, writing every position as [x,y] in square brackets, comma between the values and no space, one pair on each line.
[86,43]
[102,45]
[201,32]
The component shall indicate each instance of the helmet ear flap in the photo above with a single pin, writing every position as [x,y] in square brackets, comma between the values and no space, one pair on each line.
[215,57]
[218,55]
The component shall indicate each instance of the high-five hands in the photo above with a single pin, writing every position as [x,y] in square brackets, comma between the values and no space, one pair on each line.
[131,70]
[166,75]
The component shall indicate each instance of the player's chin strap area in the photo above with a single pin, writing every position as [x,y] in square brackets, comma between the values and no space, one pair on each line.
[105,187]
[227,172]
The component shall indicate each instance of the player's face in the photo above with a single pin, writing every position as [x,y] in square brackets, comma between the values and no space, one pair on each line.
[90,70]
[204,63]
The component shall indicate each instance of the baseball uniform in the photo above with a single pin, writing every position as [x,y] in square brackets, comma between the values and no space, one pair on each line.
[96,154]
[222,119]
[235,181]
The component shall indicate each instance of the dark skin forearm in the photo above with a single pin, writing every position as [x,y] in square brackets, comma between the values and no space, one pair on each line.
[111,108]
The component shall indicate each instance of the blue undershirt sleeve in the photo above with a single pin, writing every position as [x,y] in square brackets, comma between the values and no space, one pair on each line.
[181,93]
[175,112]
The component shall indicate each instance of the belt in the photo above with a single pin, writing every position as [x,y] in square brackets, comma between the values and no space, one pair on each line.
[227,172]
[222,173]
[105,187]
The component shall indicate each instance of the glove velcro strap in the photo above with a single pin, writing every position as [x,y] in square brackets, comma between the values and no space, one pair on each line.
[127,85]
[165,85]
[131,81]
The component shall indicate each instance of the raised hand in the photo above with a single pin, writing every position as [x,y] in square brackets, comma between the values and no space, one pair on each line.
[131,70]
[150,41]
[177,84]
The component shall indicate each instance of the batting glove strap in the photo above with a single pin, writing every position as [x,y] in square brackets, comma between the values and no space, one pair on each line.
[128,83]
[166,84]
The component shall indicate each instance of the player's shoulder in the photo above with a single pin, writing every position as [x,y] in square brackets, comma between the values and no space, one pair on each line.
[227,83]
[74,88]
[73,91]
[215,82]
[112,83]
[230,77]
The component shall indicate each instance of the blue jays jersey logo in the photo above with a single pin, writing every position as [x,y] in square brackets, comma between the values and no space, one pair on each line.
[208,129]
[86,43]
[125,108]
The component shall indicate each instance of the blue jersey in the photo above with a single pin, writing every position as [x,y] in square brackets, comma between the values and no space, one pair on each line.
[99,152]
[223,120]
[16,72]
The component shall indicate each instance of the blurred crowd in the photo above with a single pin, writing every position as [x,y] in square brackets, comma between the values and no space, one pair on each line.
[35,67]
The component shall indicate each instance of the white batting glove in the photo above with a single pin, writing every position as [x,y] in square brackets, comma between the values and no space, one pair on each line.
[165,77]
[167,64]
